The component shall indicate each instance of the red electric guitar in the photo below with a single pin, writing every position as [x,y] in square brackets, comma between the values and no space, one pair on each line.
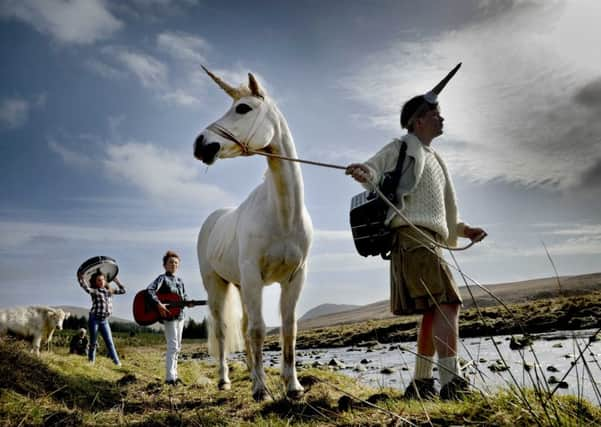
[146,311]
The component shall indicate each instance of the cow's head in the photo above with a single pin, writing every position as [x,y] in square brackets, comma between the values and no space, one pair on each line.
[57,317]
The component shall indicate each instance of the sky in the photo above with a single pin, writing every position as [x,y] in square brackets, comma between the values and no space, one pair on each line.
[100,102]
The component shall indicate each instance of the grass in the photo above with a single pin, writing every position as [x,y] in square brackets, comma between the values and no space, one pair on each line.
[62,389]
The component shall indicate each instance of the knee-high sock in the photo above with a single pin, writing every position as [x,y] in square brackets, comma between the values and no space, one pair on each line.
[423,367]
[449,369]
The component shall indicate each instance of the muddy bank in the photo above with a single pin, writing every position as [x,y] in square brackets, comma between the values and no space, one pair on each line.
[545,315]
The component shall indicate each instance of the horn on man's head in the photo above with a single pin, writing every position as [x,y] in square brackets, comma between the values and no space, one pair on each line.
[418,105]
[432,96]
[230,90]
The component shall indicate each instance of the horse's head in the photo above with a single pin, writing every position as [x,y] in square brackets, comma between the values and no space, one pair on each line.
[249,124]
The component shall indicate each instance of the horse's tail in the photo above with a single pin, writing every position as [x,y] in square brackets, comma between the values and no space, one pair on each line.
[229,326]
[224,298]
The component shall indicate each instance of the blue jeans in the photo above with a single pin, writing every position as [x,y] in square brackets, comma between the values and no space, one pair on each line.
[105,330]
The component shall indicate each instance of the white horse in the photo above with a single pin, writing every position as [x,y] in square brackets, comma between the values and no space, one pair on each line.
[264,240]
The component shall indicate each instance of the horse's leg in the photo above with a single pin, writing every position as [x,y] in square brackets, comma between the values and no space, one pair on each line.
[251,290]
[216,291]
[288,299]
[247,351]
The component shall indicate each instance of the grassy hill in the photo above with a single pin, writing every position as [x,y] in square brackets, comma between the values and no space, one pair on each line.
[513,292]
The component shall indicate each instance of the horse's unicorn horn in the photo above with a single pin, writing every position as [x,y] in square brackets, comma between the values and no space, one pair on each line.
[230,90]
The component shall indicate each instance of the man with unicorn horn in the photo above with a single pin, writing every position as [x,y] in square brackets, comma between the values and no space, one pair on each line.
[420,280]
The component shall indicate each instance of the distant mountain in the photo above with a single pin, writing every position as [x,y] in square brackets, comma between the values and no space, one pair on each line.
[80,311]
[324,309]
[512,292]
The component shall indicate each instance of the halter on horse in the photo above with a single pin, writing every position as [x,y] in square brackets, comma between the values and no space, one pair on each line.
[264,240]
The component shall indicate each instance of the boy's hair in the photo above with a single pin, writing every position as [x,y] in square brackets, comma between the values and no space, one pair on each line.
[170,254]
[97,274]
[413,109]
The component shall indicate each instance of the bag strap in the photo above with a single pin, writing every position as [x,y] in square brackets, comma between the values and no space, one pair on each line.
[391,179]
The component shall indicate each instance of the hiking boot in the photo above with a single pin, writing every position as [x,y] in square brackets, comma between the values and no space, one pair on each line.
[456,389]
[422,388]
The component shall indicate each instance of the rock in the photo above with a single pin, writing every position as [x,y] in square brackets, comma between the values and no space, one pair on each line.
[127,379]
[387,371]
[360,368]
[345,403]
[404,368]
[557,345]
[378,397]
[518,343]
[335,362]
[365,361]
[368,343]
[583,322]
[552,368]
[527,367]
[482,360]
[552,380]
[317,364]
[498,366]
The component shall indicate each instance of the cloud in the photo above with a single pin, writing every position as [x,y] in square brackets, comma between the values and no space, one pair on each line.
[74,21]
[590,95]
[151,72]
[180,97]
[342,261]
[163,175]
[27,233]
[103,69]
[70,157]
[183,46]
[14,112]
[154,10]
[524,106]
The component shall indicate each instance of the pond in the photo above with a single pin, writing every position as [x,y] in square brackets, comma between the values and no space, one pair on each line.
[551,355]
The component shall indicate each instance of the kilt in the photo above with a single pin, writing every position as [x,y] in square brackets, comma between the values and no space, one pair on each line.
[419,280]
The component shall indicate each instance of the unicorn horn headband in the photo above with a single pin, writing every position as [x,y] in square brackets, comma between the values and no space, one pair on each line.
[431,97]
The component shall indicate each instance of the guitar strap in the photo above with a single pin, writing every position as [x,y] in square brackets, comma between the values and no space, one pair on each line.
[391,179]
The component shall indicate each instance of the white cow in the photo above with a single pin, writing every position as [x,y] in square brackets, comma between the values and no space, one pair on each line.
[36,322]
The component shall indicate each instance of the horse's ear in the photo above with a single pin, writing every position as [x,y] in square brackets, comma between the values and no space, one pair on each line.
[254,86]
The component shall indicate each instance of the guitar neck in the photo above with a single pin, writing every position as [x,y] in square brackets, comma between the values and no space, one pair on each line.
[186,303]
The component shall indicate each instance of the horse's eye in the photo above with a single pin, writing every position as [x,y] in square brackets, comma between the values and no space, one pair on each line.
[242,108]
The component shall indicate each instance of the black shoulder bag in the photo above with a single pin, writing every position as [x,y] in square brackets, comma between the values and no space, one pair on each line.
[368,213]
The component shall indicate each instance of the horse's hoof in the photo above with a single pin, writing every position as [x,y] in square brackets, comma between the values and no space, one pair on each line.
[259,395]
[224,386]
[295,394]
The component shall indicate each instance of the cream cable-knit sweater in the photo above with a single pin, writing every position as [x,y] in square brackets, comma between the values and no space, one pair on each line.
[425,193]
